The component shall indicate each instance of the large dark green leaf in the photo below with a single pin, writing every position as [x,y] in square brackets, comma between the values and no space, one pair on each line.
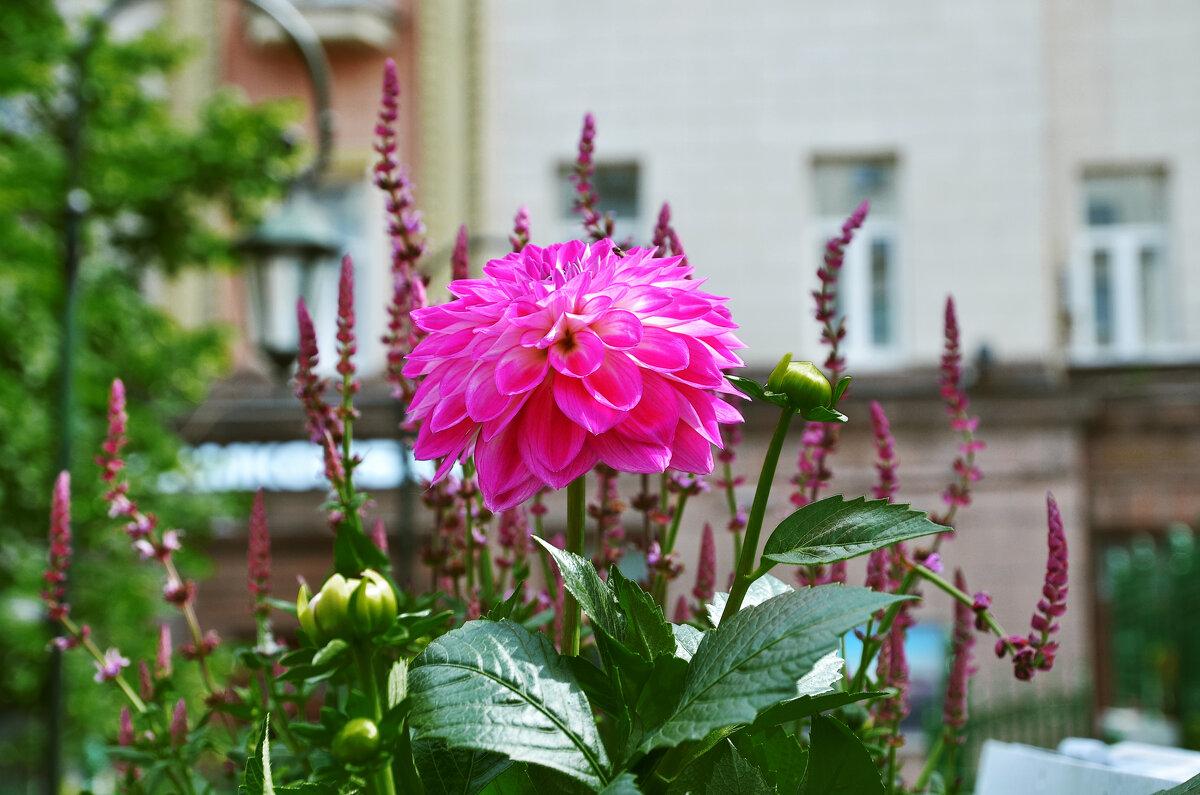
[776,754]
[256,779]
[804,706]
[759,591]
[1189,787]
[495,686]
[456,771]
[647,631]
[720,771]
[756,657]
[836,529]
[838,762]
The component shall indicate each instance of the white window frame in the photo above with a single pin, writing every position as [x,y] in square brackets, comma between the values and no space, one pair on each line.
[1123,243]
[854,291]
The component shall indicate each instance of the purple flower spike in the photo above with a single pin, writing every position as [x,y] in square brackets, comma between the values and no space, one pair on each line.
[585,192]
[665,237]
[162,662]
[957,494]
[347,346]
[179,727]
[682,611]
[310,387]
[460,258]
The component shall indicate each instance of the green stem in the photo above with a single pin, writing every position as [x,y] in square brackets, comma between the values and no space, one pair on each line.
[889,780]
[381,781]
[98,656]
[659,588]
[931,763]
[576,519]
[960,596]
[758,510]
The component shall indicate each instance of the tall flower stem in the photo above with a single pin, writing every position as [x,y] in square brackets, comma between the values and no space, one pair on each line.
[381,781]
[576,519]
[758,510]
[98,656]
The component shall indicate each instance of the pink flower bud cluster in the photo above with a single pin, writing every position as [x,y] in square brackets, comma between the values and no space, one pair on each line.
[407,232]
[207,645]
[585,193]
[958,493]
[954,708]
[668,564]
[445,552]
[1036,652]
[512,535]
[520,234]
[259,557]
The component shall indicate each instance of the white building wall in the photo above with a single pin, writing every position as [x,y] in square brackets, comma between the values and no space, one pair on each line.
[725,109]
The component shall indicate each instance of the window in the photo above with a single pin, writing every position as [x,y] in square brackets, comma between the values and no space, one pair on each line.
[868,290]
[1121,307]
[618,186]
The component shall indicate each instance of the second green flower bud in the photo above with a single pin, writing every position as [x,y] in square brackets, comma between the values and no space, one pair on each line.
[805,386]
[347,608]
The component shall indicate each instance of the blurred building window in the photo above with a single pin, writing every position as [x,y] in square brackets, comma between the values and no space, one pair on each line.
[868,290]
[619,187]
[1120,290]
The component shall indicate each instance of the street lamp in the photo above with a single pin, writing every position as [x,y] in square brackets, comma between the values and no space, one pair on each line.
[288,253]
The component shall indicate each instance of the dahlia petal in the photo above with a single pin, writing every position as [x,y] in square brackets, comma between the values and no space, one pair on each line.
[550,443]
[654,419]
[499,464]
[484,401]
[691,452]
[520,369]
[631,455]
[585,356]
[619,329]
[661,350]
[581,408]
[618,382]
[449,411]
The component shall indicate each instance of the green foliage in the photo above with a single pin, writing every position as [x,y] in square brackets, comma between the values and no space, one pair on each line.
[836,529]
[158,194]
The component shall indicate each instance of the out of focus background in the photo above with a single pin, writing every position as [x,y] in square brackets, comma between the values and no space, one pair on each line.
[175,173]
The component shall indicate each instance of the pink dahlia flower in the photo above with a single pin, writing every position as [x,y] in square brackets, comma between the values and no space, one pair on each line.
[562,357]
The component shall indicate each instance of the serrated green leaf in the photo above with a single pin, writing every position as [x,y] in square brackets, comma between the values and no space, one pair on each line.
[497,687]
[256,779]
[456,771]
[759,591]
[835,529]
[594,596]
[307,788]
[647,631]
[776,755]
[509,606]
[397,684]
[719,771]
[803,707]
[755,659]
[624,784]
[687,640]
[1189,787]
[838,763]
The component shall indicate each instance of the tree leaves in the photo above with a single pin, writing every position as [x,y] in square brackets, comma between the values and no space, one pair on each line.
[836,529]
[755,659]
[496,687]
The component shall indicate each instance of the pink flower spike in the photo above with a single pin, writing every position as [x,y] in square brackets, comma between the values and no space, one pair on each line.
[347,346]
[145,683]
[683,613]
[259,557]
[379,535]
[563,357]
[179,727]
[59,556]
[110,667]
[885,455]
[162,661]
[520,234]
[125,732]
[706,570]
[954,709]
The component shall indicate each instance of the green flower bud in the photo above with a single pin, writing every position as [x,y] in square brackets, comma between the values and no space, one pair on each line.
[804,384]
[373,604]
[307,621]
[331,607]
[357,742]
